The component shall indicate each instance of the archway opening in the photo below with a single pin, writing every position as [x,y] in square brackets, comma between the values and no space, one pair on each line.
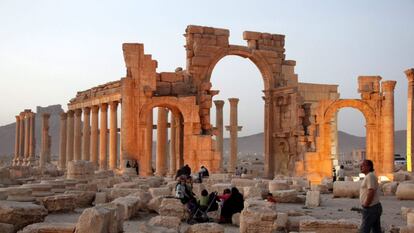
[348,145]
[236,77]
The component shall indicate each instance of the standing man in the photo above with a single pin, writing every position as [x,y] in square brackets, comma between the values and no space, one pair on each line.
[369,198]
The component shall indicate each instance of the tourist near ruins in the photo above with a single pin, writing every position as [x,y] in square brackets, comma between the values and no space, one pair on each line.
[108,177]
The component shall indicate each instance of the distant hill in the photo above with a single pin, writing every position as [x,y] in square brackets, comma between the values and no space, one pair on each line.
[252,144]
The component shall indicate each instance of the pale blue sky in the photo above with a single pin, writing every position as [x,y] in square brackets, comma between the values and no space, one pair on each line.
[51,49]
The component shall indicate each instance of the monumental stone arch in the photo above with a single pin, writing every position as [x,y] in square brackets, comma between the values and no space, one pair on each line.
[298,125]
[377,106]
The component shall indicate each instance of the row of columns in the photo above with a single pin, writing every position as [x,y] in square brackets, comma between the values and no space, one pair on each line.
[24,149]
[79,142]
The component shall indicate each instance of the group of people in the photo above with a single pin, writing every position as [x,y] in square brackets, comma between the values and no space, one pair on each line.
[231,201]
[128,165]
[339,175]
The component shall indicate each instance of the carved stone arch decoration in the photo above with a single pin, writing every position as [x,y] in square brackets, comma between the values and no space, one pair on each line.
[360,105]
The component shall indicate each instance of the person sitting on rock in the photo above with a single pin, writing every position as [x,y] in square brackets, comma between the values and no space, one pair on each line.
[234,204]
[203,201]
[202,173]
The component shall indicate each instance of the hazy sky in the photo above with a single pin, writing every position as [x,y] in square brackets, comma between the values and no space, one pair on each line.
[49,50]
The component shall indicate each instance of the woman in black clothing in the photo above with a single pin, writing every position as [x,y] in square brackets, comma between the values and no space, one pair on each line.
[234,204]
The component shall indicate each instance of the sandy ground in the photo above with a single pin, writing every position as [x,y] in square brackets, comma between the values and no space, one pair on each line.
[331,208]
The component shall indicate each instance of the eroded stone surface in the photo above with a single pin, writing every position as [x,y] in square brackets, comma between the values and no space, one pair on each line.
[21,214]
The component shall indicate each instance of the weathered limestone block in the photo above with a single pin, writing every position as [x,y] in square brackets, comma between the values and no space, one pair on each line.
[220,177]
[281,222]
[114,193]
[348,189]
[257,217]
[313,199]
[172,207]
[205,228]
[146,228]
[80,169]
[169,222]
[144,196]
[285,196]
[389,188]
[163,88]
[155,203]
[58,186]
[401,176]
[87,187]
[3,193]
[328,182]
[117,220]
[100,198]
[252,192]
[126,185]
[407,229]
[60,203]
[6,228]
[328,226]
[293,221]
[301,181]
[405,191]
[40,190]
[241,183]
[131,205]
[276,185]
[61,227]
[235,219]
[323,188]
[5,175]
[163,191]
[296,187]
[21,214]
[410,219]
[405,211]
[19,194]
[96,219]
[82,198]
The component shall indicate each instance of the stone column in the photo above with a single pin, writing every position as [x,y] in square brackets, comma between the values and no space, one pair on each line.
[173,147]
[94,135]
[219,126]
[17,141]
[410,118]
[161,162]
[86,134]
[268,130]
[26,137]
[77,144]
[62,142]
[32,139]
[69,138]
[233,128]
[103,160]
[388,128]
[113,133]
[45,151]
[145,168]
[21,139]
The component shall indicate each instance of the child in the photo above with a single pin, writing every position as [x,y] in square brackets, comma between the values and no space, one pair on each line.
[203,202]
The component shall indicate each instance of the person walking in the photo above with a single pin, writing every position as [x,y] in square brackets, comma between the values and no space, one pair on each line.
[369,198]
[341,173]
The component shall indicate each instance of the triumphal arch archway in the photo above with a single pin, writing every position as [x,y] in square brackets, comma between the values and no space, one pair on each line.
[297,122]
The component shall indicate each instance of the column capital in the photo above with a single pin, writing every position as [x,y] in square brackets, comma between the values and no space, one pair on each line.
[70,113]
[86,110]
[233,100]
[219,103]
[113,104]
[410,74]
[63,115]
[17,117]
[95,109]
[388,86]
[104,107]
[78,112]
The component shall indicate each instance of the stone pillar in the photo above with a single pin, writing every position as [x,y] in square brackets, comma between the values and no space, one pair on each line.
[180,143]
[26,137]
[219,126]
[62,142]
[77,144]
[86,134]
[388,128]
[145,168]
[268,130]
[233,128]
[173,147]
[113,133]
[410,118]
[45,150]
[161,162]
[94,135]
[21,139]
[17,142]
[32,140]
[69,138]
[103,160]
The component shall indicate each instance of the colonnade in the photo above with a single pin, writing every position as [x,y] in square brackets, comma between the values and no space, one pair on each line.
[80,141]
[25,145]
